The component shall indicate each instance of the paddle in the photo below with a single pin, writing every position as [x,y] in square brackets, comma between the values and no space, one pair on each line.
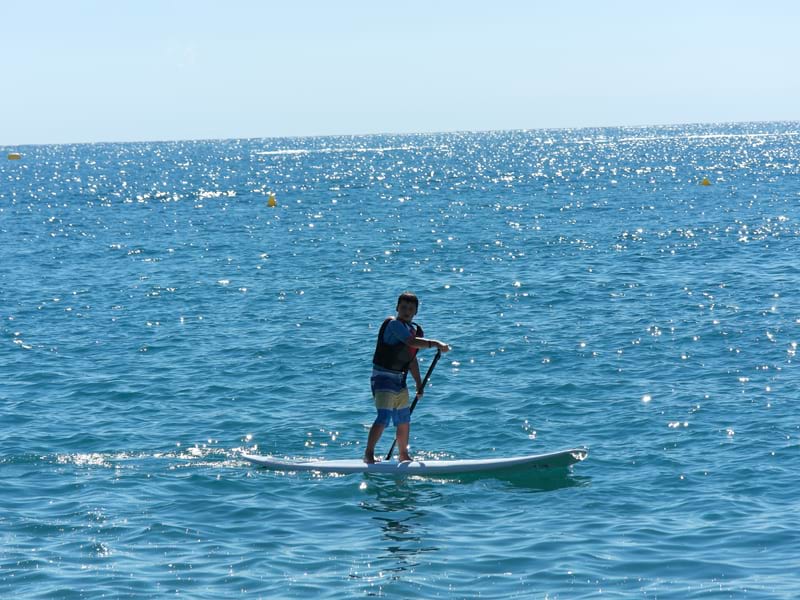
[416,398]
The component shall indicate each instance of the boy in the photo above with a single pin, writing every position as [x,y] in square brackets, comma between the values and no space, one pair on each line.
[396,355]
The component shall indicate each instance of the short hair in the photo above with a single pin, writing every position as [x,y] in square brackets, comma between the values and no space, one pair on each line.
[408,297]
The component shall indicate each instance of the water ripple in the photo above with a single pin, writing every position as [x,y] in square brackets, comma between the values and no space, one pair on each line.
[158,317]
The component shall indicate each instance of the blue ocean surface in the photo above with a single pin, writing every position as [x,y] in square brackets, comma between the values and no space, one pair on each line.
[159,318]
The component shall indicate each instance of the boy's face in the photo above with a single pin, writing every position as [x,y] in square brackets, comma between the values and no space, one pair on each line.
[406,310]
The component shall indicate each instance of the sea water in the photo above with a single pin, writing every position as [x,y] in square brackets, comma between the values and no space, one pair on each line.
[633,291]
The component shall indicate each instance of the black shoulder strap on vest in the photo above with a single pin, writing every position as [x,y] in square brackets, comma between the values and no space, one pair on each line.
[384,325]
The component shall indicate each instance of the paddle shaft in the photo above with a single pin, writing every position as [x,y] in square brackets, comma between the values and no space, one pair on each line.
[416,398]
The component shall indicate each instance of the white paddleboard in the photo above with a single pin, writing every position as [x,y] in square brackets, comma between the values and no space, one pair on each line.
[553,460]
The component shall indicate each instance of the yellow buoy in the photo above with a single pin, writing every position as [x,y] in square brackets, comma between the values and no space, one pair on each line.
[271,201]
[705,181]
[14,156]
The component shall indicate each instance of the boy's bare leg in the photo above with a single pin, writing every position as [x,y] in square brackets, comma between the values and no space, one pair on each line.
[375,433]
[403,430]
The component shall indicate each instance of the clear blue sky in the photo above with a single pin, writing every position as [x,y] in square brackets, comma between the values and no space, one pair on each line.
[83,70]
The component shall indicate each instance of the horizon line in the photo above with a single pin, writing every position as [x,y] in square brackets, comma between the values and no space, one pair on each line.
[12,147]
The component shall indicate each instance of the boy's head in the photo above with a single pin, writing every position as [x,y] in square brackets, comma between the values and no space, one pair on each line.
[409,302]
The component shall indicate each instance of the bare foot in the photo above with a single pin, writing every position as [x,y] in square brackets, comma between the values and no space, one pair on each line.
[405,458]
[369,458]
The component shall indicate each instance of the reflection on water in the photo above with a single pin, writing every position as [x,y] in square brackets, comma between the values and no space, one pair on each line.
[406,508]
[538,481]
[397,504]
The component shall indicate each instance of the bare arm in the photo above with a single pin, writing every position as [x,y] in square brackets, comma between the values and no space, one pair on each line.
[420,342]
[414,368]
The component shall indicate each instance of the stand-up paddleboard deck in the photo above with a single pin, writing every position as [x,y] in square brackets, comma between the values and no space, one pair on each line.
[553,460]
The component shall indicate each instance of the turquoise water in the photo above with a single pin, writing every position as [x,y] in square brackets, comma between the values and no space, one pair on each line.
[158,318]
